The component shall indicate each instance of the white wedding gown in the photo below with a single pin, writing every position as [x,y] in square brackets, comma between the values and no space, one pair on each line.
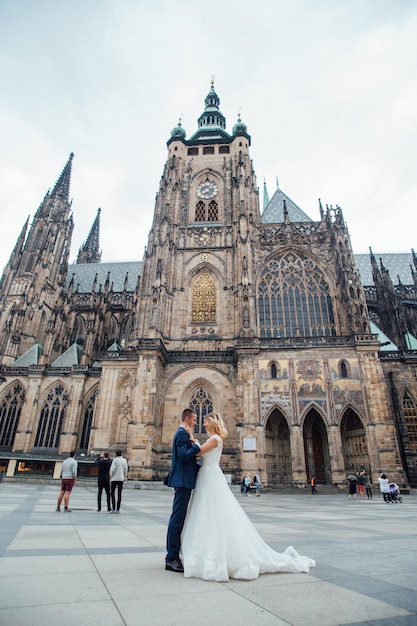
[219,541]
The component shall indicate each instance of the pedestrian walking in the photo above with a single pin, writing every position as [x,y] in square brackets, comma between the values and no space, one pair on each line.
[118,474]
[103,479]
[68,478]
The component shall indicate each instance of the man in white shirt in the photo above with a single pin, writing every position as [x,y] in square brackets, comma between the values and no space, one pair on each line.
[118,474]
[68,477]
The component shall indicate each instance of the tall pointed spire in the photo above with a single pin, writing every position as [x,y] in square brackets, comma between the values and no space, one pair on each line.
[266,196]
[90,251]
[17,252]
[62,185]
[15,257]
[375,269]
[49,237]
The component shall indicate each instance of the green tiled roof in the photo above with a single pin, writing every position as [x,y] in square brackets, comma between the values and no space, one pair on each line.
[70,357]
[274,211]
[386,343]
[30,357]
[114,347]
[85,273]
[397,263]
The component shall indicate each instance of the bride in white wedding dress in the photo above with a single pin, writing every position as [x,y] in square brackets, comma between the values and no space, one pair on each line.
[219,541]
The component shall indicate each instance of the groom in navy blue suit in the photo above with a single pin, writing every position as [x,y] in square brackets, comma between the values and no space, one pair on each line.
[182,477]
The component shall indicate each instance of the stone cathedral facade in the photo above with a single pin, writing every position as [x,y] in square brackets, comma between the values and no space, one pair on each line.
[307,350]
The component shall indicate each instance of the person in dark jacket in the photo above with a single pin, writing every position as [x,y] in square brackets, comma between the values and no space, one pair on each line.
[103,479]
[352,482]
[182,477]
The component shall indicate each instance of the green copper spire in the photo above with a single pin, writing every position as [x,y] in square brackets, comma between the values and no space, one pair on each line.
[212,117]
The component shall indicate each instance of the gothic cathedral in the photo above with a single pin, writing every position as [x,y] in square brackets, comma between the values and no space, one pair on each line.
[308,351]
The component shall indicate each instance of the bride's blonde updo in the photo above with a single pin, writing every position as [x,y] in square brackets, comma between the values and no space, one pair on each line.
[216,425]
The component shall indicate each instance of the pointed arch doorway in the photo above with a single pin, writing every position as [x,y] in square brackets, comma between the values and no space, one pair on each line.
[354,443]
[316,448]
[278,450]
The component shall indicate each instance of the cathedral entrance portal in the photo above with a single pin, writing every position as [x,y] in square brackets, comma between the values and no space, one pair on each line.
[278,450]
[354,445]
[316,448]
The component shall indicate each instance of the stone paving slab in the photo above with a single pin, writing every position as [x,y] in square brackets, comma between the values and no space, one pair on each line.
[88,566]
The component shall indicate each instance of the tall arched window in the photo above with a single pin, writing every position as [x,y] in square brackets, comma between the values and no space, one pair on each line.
[125,329]
[294,299]
[203,307]
[206,213]
[202,404]
[87,422]
[213,212]
[52,417]
[114,329]
[78,333]
[410,418]
[200,212]
[343,369]
[10,410]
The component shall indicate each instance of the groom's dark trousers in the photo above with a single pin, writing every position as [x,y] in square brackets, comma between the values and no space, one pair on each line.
[176,523]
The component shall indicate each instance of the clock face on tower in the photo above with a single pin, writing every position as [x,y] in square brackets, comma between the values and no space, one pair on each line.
[207,190]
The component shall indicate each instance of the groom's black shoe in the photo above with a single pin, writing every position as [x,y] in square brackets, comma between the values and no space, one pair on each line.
[174,566]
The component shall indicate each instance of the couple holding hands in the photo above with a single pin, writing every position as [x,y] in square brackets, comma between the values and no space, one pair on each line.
[211,537]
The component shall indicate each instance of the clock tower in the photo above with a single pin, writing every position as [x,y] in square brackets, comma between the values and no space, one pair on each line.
[196,287]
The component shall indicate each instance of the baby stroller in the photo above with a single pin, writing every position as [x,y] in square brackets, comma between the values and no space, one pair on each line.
[394,492]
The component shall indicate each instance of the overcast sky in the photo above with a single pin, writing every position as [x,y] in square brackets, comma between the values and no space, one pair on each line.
[327,89]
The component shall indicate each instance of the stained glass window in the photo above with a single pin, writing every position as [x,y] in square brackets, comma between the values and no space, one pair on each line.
[51,419]
[203,299]
[294,299]
[87,423]
[202,404]
[10,409]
